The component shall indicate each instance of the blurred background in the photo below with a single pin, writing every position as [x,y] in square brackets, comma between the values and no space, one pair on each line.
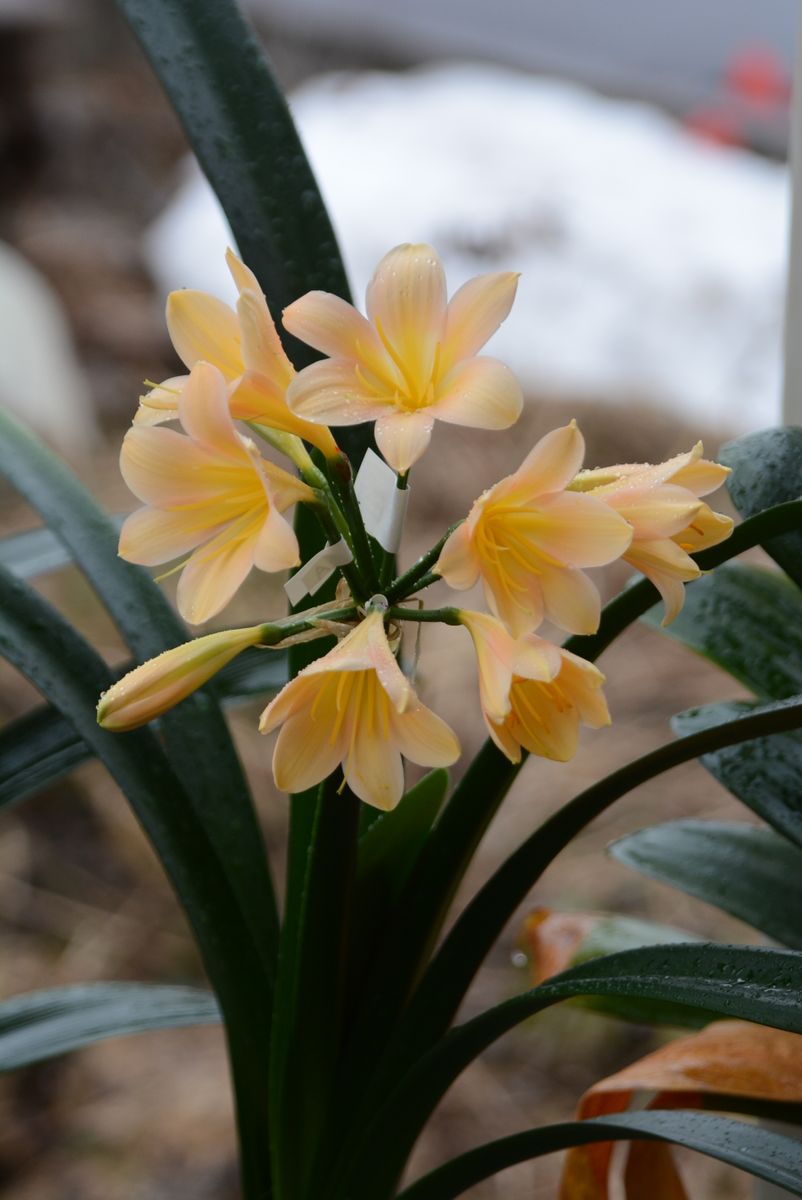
[627,159]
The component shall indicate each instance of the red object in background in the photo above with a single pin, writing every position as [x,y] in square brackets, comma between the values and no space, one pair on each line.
[759,77]
[718,124]
[756,88]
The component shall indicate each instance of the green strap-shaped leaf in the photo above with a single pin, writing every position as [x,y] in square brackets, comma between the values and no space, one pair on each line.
[750,872]
[388,851]
[766,471]
[747,620]
[437,998]
[770,1156]
[42,747]
[49,652]
[236,119]
[196,736]
[310,991]
[414,926]
[40,1025]
[610,935]
[758,985]
[763,773]
[35,751]
[36,552]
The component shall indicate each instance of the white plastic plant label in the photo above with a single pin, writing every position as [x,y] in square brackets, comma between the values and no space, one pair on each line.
[314,574]
[382,503]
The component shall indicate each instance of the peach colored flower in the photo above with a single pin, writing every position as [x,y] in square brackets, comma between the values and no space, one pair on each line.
[208,491]
[162,682]
[500,657]
[245,348]
[527,538]
[355,706]
[668,519]
[533,694]
[413,361]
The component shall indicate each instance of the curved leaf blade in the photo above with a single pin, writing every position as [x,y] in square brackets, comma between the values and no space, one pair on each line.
[766,472]
[767,1155]
[40,1025]
[196,735]
[443,986]
[762,773]
[747,620]
[759,985]
[749,872]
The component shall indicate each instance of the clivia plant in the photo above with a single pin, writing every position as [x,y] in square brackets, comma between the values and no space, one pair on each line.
[339,1004]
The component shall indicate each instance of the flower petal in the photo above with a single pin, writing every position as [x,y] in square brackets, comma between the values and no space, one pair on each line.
[655,512]
[331,393]
[515,598]
[495,654]
[474,313]
[406,301]
[161,402]
[262,350]
[668,567]
[577,529]
[506,743]
[256,398]
[548,467]
[458,562]
[425,738]
[481,393]
[211,577]
[203,327]
[335,328]
[374,772]
[204,412]
[366,649]
[151,536]
[708,529]
[701,476]
[164,468]
[403,437]
[571,600]
[582,682]
[303,755]
[296,696]
[276,546]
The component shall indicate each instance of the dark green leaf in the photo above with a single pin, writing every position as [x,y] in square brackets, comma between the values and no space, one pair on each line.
[612,934]
[236,119]
[758,985]
[438,996]
[38,749]
[310,991]
[747,620]
[768,1155]
[195,733]
[750,872]
[35,751]
[763,773]
[40,644]
[40,1025]
[387,852]
[766,471]
[35,552]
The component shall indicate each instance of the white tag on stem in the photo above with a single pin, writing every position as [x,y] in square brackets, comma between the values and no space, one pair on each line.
[382,503]
[314,573]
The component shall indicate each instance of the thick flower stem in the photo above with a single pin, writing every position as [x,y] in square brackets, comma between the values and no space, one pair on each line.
[419,574]
[275,632]
[444,616]
[343,482]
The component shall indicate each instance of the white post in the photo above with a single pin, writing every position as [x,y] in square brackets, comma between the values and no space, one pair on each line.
[792,374]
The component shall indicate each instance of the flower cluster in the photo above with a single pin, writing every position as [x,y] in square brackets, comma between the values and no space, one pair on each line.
[215,503]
